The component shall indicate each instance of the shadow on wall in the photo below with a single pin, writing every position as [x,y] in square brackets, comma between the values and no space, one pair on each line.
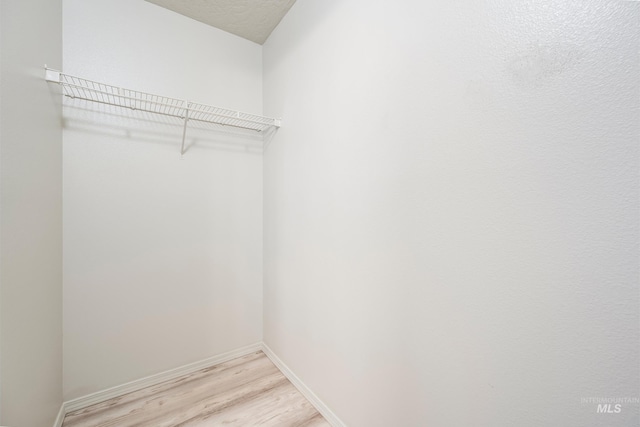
[119,122]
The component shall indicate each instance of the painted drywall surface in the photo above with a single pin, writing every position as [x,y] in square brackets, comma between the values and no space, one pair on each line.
[162,255]
[0,218]
[451,210]
[31,215]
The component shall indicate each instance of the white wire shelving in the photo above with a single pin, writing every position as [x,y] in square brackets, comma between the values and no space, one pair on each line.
[89,90]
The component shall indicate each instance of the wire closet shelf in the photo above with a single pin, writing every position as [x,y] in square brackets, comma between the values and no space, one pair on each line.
[89,90]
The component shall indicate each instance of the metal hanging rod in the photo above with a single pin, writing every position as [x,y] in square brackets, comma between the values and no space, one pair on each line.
[89,90]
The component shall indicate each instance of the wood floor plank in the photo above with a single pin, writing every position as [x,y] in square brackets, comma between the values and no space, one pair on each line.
[282,405]
[134,402]
[247,391]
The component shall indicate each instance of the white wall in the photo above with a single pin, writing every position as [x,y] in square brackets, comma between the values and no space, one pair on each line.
[451,209]
[162,255]
[30,214]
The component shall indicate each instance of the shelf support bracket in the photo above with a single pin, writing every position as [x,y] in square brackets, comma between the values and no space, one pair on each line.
[50,75]
[184,129]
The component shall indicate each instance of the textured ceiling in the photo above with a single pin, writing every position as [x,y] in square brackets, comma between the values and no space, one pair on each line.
[252,19]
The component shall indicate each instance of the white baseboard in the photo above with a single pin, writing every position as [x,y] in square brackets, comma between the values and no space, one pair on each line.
[101,396]
[302,388]
[60,418]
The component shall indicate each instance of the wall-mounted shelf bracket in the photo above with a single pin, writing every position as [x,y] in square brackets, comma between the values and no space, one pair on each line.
[184,129]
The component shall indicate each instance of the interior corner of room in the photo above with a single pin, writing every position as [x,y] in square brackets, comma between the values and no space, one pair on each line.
[423,213]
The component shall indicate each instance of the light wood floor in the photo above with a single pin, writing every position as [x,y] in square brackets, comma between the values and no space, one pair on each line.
[248,391]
